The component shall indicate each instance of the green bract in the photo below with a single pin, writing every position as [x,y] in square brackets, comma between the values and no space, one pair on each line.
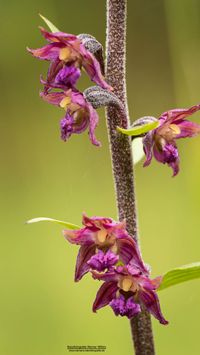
[180,274]
[46,219]
[49,24]
[139,130]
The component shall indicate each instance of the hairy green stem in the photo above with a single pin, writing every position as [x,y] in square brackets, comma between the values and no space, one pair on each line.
[120,147]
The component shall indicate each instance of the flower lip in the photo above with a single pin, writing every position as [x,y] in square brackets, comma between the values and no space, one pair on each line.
[124,307]
[66,127]
[170,153]
[102,261]
[67,76]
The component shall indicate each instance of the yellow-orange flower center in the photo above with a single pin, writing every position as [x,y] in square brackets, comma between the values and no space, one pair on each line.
[101,235]
[65,102]
[64,54]
[126,283]
[176,130]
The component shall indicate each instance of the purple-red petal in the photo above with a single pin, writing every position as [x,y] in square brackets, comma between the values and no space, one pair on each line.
[85,253]
[53,98]
[151,301]
[105,295]
[48,52]
[80,236]
[57,36]
[148,142]
[172,116]
[188,129]
[129,252]
[92,222]
[92,68]
[94,119]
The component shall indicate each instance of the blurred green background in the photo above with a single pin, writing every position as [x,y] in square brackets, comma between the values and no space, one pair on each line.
[42,309]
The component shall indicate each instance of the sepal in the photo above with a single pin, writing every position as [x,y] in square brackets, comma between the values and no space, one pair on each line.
[95,47]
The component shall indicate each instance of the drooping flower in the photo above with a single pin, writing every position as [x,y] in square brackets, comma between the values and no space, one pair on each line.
[103,242]
[79,116]
[161,142]
[66,50]
[125,288]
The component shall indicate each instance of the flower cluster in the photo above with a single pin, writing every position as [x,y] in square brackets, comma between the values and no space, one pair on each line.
[161,142]
[110,254]
[67,56]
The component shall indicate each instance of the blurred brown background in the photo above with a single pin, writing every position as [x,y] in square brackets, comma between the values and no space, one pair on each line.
[42,309]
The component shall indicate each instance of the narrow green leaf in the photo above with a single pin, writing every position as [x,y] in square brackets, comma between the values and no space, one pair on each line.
[179,275]
[49,24]
[138,151]
[138,130]
[46,219]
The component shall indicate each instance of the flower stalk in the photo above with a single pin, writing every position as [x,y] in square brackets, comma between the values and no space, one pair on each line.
[121,152]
